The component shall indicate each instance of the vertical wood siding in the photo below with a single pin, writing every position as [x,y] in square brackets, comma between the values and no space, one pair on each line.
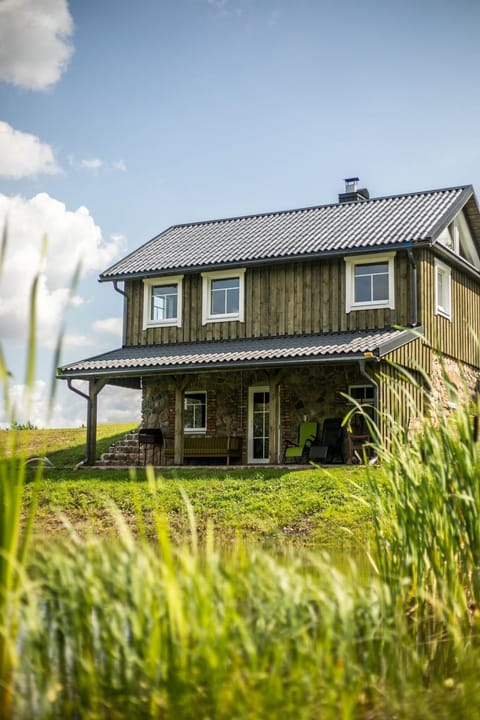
[456,337]
[280,299]
[395,388]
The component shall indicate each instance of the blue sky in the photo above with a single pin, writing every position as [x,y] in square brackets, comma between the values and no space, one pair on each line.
[118,119]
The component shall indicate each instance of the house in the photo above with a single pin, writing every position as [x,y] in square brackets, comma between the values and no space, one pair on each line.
[246,326]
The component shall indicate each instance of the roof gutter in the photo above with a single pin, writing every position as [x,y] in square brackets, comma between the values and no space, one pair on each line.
[455,259]
[232,365]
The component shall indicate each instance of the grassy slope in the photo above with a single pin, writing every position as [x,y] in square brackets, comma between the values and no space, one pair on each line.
[64,447]
[272,506]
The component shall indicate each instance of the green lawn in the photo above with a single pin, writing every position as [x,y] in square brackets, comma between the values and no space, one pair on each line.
[270,507]
[274,507]
[64,447]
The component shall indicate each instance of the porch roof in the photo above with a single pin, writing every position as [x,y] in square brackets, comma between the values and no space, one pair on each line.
[139,360]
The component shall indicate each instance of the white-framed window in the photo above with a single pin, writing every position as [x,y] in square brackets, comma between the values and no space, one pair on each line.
[162,301]
[443,289]
[195,412]
[362,394]
[223,295]
[369,282]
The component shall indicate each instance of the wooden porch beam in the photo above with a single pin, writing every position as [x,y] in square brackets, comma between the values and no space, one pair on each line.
[94,387]
[275,377]
[180,385]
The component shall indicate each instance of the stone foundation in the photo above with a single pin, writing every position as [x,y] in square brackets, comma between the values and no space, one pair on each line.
[307,393]
[452,383]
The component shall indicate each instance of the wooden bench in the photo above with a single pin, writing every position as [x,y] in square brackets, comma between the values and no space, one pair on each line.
[228,447]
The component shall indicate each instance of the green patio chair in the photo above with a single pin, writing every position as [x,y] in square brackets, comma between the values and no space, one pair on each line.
[307,434]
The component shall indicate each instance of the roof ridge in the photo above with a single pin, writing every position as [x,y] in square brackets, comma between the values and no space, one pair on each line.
[297,232]
[308,208]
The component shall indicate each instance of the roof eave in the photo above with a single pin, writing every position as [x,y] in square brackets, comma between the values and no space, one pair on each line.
[385,247]
[375,354]
[408,336]
[224,365]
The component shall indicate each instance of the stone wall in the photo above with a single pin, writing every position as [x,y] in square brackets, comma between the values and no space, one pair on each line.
[307,393]
[452,383]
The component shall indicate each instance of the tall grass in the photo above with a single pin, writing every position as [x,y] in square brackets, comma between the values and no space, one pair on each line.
[148,630]
[142,631]
[13,541]
[427,511]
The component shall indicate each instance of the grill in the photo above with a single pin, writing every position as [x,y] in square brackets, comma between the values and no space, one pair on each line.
[150,436]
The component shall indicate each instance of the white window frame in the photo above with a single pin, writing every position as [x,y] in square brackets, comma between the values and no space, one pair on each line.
[150,283]
[207,277]
[372,259]
[362,386]
[250,439]
[443,305]
[196,431]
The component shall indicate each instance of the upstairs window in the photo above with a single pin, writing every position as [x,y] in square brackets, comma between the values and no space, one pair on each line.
[162,304]
[369,282]
[223,296]
[443,291]
[195,412]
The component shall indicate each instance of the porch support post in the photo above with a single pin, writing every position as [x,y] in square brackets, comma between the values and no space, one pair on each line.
[94,387]
[274,453]
[180,384]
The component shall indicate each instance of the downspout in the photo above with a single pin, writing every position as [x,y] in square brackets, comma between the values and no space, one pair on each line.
[413,266]
[125,303]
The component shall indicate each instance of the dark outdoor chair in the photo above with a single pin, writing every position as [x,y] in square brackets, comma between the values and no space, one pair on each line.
[307,434]
[329,448]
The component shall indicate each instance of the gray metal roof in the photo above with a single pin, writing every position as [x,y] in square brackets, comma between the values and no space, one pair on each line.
[145,359]
[327,229]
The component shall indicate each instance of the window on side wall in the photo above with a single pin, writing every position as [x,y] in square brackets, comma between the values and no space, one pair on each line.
[223,296]
[443,291]
[195,412]
[369,282]
[162,304]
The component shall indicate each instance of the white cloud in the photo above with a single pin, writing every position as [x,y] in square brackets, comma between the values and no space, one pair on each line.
[96,164]
[77,340]
[32,405]
[91,163]
[111,326]
[26,405]
[119,165]
[34,42]
[22,154]
[71,237]
[115,405]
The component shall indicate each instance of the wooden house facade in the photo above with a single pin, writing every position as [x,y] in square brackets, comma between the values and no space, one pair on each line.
[238,330]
